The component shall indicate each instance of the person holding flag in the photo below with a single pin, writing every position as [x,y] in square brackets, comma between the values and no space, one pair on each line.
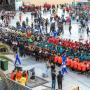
[17,61]
[63,66]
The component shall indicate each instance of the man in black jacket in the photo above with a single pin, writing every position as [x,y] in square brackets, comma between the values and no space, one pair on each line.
[59,80]
[37,54]
[70,27]
[87,29]
[53,75]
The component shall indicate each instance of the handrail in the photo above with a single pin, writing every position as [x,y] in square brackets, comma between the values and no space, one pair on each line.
[19,85]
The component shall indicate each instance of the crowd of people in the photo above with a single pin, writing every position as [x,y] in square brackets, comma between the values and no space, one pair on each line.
[76,14]
[61,52]
[19,76]
[76,48]
[6,17]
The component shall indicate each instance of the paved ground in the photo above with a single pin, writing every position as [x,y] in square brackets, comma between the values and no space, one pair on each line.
[71,79]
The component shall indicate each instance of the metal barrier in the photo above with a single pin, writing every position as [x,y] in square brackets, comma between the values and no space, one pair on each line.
[12,85]
[9,84]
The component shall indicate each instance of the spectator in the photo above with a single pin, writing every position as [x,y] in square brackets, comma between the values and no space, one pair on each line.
[27,20]
[18,75]
[13,75]
[64,69]
[70,27]
[52,67]
[59,80]
[53,79]
[37,54]
[87,30]
[23,80]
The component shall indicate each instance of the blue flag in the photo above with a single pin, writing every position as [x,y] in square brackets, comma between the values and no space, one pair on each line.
[17,59]
[64,69]
[55,34]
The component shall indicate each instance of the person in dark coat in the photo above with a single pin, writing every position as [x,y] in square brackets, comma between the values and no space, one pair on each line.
[53,75]
[2,17]
[87,31]
[52,67]
[46,25]
[59,80]
[27,20]
[37,55]
[70,27]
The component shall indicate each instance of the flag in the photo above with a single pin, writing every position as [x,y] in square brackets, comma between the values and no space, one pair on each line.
[17,61]
[64,69]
